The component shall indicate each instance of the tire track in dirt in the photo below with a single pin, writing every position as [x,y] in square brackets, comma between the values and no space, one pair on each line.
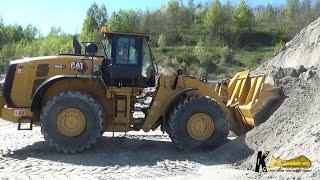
[25,154]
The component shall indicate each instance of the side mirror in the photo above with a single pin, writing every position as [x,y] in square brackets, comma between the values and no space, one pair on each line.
[91,48]
[76,45]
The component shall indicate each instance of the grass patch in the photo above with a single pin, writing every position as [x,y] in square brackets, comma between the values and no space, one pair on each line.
[212,62]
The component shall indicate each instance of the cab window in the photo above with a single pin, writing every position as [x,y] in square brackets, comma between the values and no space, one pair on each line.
[147,63]
[107,45]
[126,52]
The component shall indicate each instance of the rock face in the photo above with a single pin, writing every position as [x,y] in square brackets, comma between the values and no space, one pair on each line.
[303,49]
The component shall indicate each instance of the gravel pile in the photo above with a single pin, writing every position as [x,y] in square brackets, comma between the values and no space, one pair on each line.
[294,128]
[303,49]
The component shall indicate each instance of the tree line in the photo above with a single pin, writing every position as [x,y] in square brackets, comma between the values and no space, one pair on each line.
[204,37]
[180,23]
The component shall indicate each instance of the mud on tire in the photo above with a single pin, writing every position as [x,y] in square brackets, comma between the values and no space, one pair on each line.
[178,120]
[92,111]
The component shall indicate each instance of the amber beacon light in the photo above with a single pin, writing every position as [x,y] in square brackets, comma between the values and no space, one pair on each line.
[104,29]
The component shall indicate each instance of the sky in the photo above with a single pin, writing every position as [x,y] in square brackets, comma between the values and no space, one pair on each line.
[70,14]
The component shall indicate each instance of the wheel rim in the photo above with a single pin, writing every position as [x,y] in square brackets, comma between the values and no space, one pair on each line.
[71,122]
[200,126]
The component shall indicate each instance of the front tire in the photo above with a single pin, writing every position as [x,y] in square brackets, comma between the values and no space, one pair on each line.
[72,121]
[198,122]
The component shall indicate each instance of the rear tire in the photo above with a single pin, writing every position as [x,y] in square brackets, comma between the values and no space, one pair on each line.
[77,134]
[207,108]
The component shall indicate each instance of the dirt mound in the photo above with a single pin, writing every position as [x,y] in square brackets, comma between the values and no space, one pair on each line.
[303,49]
[294,128]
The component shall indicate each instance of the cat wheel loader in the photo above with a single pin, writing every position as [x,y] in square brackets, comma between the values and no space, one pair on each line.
[77,97]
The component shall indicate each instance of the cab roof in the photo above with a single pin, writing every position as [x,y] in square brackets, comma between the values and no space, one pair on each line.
[147,36]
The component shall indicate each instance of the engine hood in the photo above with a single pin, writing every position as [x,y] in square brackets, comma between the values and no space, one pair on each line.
[60,63]
[50,58]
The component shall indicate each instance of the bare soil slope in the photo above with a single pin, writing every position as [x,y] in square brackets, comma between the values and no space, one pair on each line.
[303,49]
[294,128]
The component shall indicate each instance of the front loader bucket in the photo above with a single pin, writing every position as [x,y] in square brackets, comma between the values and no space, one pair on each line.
[251,99]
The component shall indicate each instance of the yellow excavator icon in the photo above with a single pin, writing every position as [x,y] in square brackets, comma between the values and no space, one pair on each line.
[298,162]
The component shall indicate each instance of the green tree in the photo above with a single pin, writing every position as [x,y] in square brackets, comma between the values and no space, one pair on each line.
[191,4]
[266,14]
[291,17]
[213,19]
[162,41]
[242,16]
[316,9]
[226,55]
[292,9]
[146,22]
[12,33]
[96,17]
[154,23]
[1,32]
[125,21]
[173,11]
[56,31]
[227,12]
[30,32]
[173,24]
[306,9]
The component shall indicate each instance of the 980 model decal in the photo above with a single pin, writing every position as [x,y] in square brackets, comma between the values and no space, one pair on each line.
[60,66]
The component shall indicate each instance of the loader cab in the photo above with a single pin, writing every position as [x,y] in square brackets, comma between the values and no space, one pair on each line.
[128,60]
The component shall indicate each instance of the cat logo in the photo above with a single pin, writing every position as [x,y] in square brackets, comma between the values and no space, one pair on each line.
[79,66]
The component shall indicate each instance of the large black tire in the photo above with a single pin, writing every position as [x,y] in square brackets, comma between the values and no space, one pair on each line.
[178,120]
[90,108]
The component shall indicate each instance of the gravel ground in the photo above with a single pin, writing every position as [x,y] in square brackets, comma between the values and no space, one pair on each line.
[25,155]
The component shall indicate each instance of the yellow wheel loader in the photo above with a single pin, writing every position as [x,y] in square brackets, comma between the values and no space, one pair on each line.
[75,98]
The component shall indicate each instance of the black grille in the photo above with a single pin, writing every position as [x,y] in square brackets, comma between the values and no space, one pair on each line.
[42,70]
[8,84]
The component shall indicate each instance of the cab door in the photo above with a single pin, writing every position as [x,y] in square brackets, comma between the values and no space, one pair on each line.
[125,67]
[131,62]
[147,78]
